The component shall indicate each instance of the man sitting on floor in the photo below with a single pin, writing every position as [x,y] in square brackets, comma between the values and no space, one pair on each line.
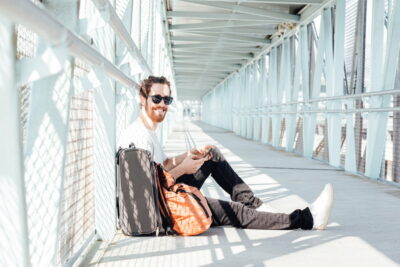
[195,166]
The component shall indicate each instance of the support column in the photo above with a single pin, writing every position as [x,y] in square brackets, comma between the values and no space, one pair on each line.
[308,131]
[334,119]
[14,229]
[383,77]
[285,83]
[46,147]
[273,76]
[258,102]
[263,81]
[293,96]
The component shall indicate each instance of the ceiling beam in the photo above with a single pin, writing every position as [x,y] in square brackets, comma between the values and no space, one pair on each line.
[191,72]
[193,91]
[190,90]
[212,45]
[283,17]
[207,66]
[244,30]
[221,49]
[198,80]
[181,74]
[194,75]
[185,93]
[218,16]
[214,24]
[194,82]
[207,53]
[215,38]
[205,70]
[216,60]
[196,85]
[191,64]
[199,77]
[206,59]
[204,79]
[203,56]
[236,37]
[211,69]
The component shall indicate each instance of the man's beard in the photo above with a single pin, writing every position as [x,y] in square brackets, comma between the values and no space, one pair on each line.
[156,114]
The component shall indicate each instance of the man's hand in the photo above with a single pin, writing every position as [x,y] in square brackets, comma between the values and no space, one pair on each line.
[202,151]
[191,164]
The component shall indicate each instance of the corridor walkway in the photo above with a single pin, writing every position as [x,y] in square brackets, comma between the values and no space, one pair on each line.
[363,229]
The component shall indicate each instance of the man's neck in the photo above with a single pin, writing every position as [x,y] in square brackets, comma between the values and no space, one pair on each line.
[147,122]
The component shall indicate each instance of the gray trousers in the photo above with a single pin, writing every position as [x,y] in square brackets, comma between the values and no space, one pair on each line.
[241,211]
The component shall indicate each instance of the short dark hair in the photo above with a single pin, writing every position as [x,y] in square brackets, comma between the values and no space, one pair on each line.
[146,84]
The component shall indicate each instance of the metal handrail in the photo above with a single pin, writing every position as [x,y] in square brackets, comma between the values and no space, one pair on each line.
[323,99]
[329,98]
[119,28]
[45,25]
[357,110]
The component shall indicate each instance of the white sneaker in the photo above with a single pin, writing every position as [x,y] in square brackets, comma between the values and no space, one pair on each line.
[321,208]
[266,208]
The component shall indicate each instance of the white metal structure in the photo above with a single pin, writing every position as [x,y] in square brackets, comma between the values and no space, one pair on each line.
[220,37]
[77,70]
[319,78]
[293,96]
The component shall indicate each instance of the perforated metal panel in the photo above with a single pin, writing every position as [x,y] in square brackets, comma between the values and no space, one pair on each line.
[299,136]
[27,43]
[77,219]
[320,148]
[282,136]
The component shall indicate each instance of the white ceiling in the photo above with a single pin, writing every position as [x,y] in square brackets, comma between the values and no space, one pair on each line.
[212,39]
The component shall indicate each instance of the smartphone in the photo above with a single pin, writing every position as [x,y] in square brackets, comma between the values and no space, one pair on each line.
[207,154]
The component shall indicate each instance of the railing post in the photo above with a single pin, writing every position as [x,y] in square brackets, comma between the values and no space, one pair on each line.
[334,120]
[293,96]
[273,79]
[263,100]
[308,129]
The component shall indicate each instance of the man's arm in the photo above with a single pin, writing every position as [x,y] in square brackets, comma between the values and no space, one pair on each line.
[171,163]
[189,165]
[177,171]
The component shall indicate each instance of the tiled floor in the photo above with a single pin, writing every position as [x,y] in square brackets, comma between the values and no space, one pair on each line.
[364,229]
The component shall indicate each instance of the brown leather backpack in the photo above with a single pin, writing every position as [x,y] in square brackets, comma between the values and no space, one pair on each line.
[184,205]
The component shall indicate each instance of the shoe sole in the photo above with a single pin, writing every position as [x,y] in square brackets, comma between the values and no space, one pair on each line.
[329,210]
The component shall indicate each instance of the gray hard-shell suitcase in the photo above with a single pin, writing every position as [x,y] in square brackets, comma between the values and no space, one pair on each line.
[137,193]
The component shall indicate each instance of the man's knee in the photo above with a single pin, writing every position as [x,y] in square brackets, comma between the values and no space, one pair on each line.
[216,154]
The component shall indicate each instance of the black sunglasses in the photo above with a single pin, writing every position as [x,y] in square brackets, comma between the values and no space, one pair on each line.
[157,99]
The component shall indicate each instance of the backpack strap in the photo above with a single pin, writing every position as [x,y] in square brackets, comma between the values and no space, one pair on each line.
[162,203]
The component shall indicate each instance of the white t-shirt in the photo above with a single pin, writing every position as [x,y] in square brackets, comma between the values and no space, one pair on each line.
[143,138]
